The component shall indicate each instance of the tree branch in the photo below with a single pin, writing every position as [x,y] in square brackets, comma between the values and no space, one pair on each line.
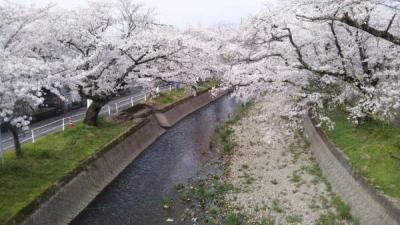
[346,19]
[259,58]
[70,43]
[337,44]
[343,76]
[390,23]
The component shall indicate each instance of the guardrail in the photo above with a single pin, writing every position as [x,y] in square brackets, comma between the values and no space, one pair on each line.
[61,124]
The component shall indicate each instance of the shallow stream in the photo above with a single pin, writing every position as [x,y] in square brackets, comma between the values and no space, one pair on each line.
[135,197]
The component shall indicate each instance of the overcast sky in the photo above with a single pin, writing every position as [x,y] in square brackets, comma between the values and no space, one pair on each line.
[185,12]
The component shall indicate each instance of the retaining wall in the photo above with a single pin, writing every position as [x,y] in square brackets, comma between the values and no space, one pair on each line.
[367,204]
[67,198]
[174,113]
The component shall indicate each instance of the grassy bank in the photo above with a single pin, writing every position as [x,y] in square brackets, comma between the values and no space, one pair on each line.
[202,86]
[169,97]
[373,149]
[47,161]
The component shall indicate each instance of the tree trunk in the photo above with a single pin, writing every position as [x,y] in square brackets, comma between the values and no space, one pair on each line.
[92,113]
[17,144]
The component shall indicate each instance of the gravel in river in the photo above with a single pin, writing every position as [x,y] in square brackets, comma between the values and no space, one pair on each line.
[277,177]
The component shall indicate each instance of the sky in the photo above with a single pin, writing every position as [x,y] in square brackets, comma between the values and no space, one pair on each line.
[185,12]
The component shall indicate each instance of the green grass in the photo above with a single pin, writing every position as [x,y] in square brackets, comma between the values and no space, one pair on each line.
[47,161]
[328,218]
[276,206]
[294,219]
[170,97]
[208,84]
[224,131]
[232,218]
[340,215]
[166,202]
[268,221]
[373,149]
[342,209]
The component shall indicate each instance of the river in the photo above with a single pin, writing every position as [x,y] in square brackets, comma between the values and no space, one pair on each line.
[135,196]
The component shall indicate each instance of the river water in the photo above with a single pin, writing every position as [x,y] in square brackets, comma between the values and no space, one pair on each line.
[135,196]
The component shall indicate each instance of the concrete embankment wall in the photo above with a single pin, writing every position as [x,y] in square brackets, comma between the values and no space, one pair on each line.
[174,113]
[66,199]
[367,204]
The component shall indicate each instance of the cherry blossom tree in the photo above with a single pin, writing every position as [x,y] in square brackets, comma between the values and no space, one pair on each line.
[100,49]
[112,44]
[195,59]
[23,69]
[363,36]
[325,53]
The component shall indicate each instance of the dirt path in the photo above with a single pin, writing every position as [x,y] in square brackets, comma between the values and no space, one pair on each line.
[277,178]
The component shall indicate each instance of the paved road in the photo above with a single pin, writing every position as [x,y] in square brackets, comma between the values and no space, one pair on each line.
[56,123]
